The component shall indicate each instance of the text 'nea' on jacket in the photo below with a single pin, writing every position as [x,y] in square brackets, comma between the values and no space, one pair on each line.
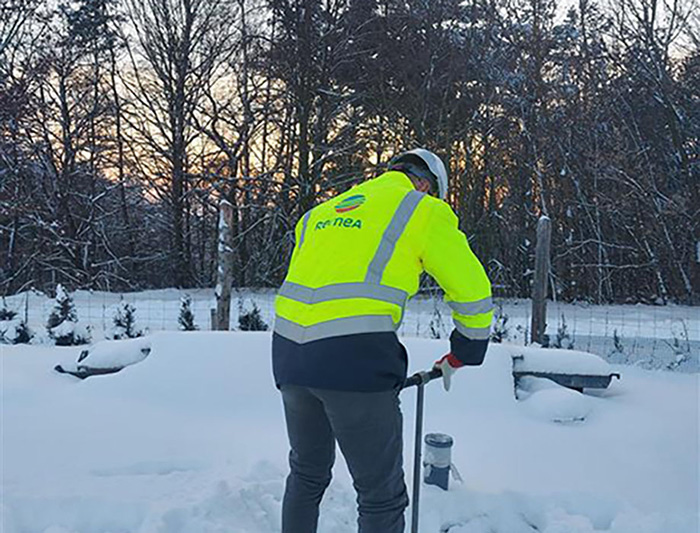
[358,259]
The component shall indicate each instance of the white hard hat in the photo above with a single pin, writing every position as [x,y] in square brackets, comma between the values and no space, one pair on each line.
[433,162]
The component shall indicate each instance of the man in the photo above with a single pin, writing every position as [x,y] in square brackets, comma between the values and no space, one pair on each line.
[336,357]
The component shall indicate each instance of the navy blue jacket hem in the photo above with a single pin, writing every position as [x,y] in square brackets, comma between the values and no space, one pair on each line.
[366,362]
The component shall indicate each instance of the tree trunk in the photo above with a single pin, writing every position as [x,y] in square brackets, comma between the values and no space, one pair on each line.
[539,287]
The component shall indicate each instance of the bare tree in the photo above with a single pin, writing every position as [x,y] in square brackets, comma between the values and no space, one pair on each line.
[181,46]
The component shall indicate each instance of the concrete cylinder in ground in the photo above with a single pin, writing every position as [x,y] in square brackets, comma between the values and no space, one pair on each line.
[437,459]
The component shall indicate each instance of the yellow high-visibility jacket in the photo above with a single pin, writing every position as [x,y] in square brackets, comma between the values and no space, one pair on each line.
[356,262]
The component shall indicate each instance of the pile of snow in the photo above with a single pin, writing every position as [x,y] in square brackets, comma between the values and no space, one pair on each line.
[559,405]
[192,439]
[545,400]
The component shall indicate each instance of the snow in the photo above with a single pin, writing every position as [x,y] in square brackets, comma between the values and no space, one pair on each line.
[61,293]
[544,400]
[192,439]
[555,361]
[559,405]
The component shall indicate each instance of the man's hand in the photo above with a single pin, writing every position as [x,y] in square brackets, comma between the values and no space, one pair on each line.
[448,364]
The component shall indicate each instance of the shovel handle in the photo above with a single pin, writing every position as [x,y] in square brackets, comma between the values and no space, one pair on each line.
[419,379]
[423,377]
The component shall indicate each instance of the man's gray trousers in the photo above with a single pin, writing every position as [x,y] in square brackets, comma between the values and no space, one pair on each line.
[368,428]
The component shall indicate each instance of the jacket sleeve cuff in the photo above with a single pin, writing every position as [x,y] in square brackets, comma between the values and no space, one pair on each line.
[468,351]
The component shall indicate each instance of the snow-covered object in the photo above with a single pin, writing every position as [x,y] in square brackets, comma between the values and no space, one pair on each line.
[553,361]
[115,353]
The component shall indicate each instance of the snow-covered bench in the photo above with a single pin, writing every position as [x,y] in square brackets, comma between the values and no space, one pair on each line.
[107,357]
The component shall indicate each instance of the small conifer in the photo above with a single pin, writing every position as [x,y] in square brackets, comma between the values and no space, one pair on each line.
[251,320]
[62,324]
[125,326]
[13,330]
[186,318]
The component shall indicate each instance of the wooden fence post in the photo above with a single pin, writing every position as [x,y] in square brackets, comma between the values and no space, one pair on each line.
[540,281]
[224,272]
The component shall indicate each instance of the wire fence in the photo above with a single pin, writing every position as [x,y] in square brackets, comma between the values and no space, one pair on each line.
[665,337]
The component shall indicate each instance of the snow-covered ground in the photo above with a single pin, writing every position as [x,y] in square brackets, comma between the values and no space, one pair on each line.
[643,335]
[192,440]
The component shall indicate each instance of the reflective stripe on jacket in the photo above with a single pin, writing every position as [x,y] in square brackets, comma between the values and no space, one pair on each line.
[358,259]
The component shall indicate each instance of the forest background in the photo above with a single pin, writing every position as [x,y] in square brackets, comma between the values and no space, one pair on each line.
[125,123]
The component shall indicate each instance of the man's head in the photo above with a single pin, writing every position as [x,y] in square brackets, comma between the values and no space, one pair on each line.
[425,169]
